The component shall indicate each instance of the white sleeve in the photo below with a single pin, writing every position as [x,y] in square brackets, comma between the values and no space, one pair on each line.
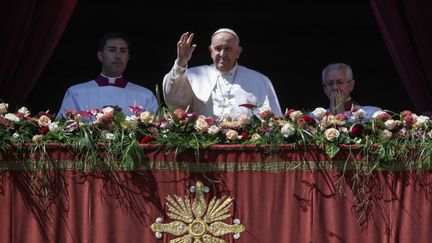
[177,91]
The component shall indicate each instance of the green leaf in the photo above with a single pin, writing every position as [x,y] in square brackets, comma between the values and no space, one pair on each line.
[331,150]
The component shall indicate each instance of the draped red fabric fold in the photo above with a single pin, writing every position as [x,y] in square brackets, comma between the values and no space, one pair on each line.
[30,31]
[285,195]
[407,31]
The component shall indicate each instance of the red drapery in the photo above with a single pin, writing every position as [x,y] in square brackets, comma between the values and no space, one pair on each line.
[30,31]
[407,30]
[288,196]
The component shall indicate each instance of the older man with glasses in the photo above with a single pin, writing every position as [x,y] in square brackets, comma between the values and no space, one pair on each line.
[338,83]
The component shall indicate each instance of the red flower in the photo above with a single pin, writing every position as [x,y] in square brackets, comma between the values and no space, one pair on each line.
[86,113]
[5,123]
[406,113]
[44,130]
[45,113]
[384,116]
[136,109]
[147,139]
[192,115]
[180,114]
[71,113]
[249,106]
[342,117]
[308,119]
[245,135]
[267,114]
[408,119]
[210,121]
[29,119]
[356,130]
[107,118]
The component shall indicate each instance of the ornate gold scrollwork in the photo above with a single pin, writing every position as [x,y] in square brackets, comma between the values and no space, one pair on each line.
[198,222]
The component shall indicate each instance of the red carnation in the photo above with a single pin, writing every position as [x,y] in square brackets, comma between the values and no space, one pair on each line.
[147,139]
[44,130]
[356,130]
[308,120]
[245,135]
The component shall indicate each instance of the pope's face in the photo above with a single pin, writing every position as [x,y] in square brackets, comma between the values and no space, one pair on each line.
[224,51]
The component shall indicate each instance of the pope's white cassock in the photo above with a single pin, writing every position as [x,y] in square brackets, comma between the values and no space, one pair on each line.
[211,93]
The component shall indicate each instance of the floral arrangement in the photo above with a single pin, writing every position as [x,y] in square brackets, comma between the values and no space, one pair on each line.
[385,140]
[387,135]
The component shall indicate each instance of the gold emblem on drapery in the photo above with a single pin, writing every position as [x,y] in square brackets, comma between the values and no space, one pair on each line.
[197,222]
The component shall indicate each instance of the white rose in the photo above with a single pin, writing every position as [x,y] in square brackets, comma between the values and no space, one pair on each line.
[358,115]
[131,119]
[146,117]
[319,112]
[231,135]
[343,130]
[15,135]
[44,121]
[390,124]
[213,130]
[255,137]
[288,130]
[243,119]
[3,108]
[37,138]
[12,117]
[108,110]
[422,120]
[378,113]
[53,126]
[295,114]
[386,134]
[109,136]
[23,110]
[331,134]
[201,124]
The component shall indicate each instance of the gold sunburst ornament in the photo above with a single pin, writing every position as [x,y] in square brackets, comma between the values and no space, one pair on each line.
[198,223]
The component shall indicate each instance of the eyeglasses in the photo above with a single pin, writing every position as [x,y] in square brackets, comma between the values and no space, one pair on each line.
[338,82]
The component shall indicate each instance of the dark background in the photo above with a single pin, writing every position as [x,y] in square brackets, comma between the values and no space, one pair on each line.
[288,42]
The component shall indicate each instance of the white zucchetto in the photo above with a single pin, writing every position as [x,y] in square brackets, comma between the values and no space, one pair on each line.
[225,30]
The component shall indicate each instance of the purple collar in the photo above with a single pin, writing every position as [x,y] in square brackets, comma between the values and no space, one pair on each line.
[103,81]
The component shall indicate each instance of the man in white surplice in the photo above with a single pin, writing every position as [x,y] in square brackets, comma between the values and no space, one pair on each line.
[218,89]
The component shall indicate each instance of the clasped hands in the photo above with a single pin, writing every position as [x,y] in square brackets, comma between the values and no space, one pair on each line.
[337,102]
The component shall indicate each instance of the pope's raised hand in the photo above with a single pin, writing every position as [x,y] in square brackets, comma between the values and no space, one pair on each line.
[185,49]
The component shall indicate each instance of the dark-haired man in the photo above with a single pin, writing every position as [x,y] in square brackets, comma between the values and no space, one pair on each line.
[109,88]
